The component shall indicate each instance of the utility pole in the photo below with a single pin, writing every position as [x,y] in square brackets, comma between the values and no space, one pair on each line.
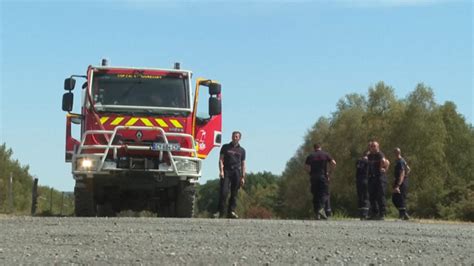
[51,201]
[34,197]
[10,193]
[62,203]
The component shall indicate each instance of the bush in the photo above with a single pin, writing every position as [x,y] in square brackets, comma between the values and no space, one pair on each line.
[257,212]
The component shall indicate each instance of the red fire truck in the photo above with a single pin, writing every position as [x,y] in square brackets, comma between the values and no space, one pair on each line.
[141,141]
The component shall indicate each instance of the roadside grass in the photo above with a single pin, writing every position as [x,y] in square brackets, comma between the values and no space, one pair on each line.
[130,213]
[338,217]
[437,221]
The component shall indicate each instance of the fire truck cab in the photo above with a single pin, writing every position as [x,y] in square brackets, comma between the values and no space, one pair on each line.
[141,141]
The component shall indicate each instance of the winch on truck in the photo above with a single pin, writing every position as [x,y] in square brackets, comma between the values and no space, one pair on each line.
[141,141]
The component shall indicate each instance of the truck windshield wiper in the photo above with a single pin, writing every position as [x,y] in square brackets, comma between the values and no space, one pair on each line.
[174,113]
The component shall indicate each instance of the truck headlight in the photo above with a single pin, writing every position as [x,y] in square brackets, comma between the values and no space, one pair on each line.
[186,165]
[86,164]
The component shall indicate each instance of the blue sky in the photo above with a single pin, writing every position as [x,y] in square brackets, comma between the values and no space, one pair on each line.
[282,64]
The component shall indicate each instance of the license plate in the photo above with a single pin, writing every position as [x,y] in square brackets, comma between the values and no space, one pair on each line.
[165,146]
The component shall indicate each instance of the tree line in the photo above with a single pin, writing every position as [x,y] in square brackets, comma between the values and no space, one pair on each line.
[435,140]
[49,201]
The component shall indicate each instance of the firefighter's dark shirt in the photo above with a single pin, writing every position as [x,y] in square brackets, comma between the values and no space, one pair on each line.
[233,156]
[362,166]
[375,163]
[400,165]
[318,161]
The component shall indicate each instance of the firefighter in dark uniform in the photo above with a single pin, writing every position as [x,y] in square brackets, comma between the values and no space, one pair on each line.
[362,179]
[377,181]
[400,185]
[316,166]
[231,173]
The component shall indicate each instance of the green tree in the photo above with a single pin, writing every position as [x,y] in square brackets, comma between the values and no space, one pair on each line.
[207,198]
[421,136]
[22,188]
[458,191]
[435,140]
[260,190]
[294,194]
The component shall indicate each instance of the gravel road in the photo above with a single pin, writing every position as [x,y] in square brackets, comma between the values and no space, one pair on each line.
[159,241]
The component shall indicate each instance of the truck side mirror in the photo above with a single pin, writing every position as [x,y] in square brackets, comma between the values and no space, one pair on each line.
[68,99]
[69,84]
[214,88]
[215,106]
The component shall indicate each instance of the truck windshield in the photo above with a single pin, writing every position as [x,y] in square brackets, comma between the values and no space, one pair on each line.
[112,91]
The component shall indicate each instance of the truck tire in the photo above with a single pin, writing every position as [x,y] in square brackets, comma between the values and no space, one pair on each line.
[84,204]
[106,210]
[185,200]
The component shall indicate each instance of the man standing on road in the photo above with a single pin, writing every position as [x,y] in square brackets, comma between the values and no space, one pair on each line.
[400,185]
[362,179]
[377,181]
[316,166]
[231,173]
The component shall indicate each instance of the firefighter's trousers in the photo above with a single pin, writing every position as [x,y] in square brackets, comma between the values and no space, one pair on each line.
[320,191]
[230,181]
[377,187]
[399,199]
[362,183]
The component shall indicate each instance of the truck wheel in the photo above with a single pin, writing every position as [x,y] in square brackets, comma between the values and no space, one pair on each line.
[106,210]
[185,200]
[84,204]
